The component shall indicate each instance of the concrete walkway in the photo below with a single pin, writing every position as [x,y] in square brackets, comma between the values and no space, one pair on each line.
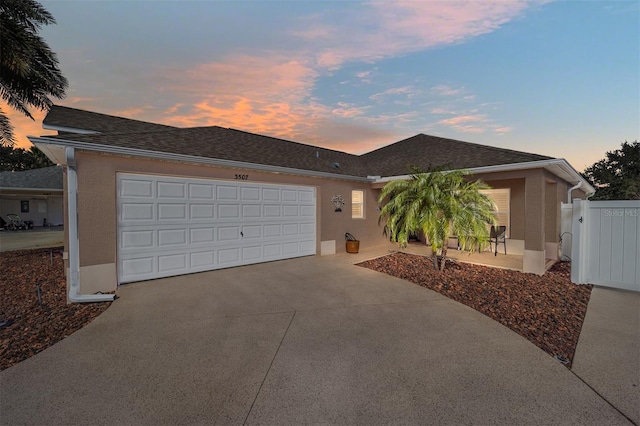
[608,353]
[309,340]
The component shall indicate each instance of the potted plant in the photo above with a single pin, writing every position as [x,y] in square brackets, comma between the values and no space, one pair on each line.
[353,245]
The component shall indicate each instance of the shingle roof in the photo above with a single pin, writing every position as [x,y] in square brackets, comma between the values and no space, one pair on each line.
[44,178]
[424,152]
[86,120]
[228,144]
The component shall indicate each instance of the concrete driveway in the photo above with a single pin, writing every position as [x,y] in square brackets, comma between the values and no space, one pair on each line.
[310,340]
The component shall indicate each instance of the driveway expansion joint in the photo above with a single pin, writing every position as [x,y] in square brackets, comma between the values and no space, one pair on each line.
[266,374]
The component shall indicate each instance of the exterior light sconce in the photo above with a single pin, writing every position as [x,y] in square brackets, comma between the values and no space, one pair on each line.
[338,202]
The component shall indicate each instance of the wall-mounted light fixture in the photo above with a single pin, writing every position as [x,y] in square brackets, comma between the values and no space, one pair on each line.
[338,202]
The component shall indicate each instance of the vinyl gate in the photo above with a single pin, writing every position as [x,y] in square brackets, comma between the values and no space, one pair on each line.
[606,243]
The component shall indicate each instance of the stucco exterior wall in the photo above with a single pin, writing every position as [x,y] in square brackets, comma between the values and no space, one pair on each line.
[97,218]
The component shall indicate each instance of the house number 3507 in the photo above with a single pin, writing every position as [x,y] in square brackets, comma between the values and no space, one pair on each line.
[241,177]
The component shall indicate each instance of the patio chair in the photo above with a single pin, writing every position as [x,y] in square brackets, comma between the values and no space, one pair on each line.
[498,236]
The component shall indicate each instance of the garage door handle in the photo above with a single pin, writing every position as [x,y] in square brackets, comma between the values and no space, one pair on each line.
[241,234]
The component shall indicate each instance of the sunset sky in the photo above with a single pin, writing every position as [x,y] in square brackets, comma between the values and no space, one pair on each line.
[554,78]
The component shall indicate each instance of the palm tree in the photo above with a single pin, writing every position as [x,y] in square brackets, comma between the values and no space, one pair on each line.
[29,71]
[440,204]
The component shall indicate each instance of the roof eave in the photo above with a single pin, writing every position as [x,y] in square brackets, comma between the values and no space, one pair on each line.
[49,144]
[558,166]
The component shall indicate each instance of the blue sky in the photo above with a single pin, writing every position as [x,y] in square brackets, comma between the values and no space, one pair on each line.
[555,78]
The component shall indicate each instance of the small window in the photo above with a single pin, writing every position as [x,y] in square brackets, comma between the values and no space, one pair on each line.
[24,206]
[501,198]
[357,204]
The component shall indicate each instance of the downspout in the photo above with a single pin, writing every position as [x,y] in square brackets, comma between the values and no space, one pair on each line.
[74,244]
[576,186]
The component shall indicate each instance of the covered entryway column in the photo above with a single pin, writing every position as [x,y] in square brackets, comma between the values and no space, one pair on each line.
[534,235]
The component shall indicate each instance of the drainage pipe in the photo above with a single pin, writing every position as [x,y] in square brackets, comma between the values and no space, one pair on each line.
[74,244]
[576,186]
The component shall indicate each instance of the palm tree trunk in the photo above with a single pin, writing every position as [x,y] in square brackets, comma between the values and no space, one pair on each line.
[434,258]
[444,256]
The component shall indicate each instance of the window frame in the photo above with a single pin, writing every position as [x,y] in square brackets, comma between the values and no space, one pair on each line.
[354,204]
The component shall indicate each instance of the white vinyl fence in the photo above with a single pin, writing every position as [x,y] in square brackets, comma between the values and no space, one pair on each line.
[605,244]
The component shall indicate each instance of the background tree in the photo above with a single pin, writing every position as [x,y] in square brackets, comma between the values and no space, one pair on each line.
[617,177]
[18,159]
[29,71]
[440,204]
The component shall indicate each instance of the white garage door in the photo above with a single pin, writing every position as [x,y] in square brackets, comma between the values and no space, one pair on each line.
[171,226]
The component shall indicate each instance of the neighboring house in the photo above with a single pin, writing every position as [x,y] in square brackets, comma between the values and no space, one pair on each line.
[35,195]
[155,201]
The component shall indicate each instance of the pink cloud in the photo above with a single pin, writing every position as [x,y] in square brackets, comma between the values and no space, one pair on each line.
[346,110]
[455,121]
[406,90]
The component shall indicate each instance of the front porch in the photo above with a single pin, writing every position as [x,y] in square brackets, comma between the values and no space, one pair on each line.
[485,258]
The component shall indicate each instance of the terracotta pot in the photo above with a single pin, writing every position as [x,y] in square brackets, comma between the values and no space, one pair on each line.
[353,246]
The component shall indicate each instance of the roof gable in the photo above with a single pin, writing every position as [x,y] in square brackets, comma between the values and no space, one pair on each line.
[425,152]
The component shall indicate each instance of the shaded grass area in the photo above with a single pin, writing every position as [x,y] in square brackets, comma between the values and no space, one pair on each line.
[26,326]
[547,310]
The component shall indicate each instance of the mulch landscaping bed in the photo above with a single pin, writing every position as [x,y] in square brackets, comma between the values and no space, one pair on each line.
[26,327]
[547,310]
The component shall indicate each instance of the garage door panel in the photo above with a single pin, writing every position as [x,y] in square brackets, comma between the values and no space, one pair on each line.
[251,211]
[272,230]
[172,237]
[201,235]
[171,226]
[172,211]
[172,263]
[203,259]
[202,211]
[251,253]
[307,196]
[307,229]
[290,211]
[270,194]
[136,212]
[307,246]
[250,194]
[172,190]
[225,192]
[139,266]
[229,256]
[271,251]
[289,195]
[228,233]
[200,191]
[136,188]
[137,239]
[252,231]
[228,211]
